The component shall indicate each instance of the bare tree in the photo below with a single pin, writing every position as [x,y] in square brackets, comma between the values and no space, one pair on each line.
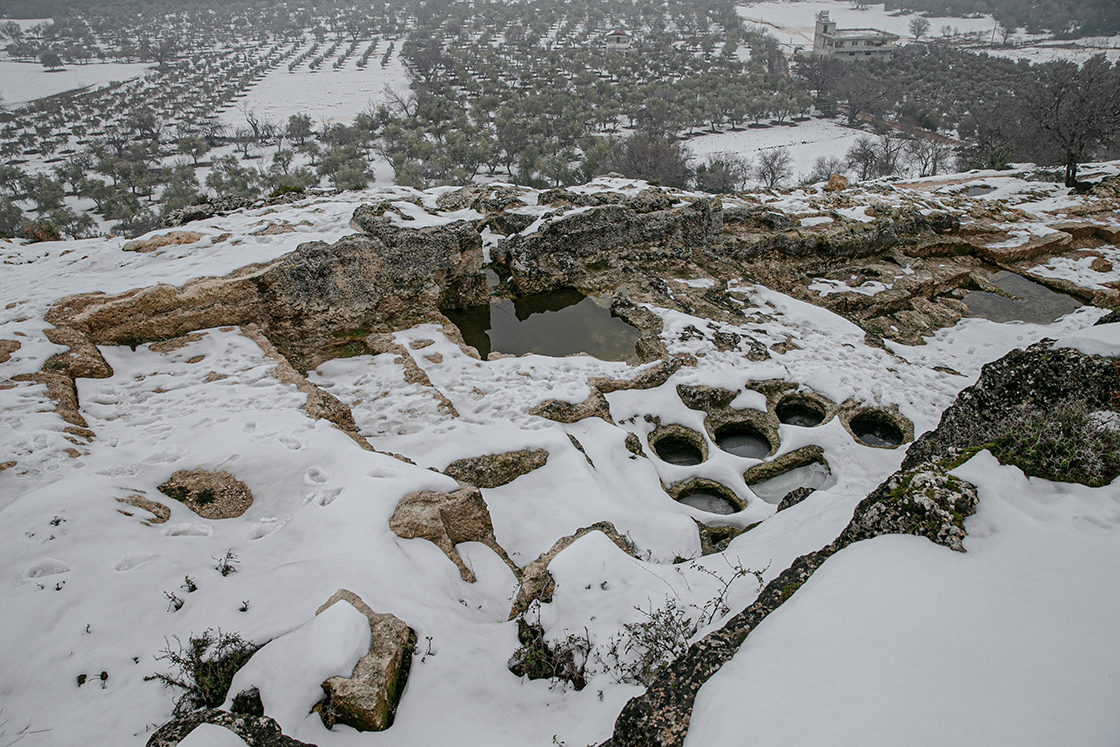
[774,166]
[1074,112]
[919,26]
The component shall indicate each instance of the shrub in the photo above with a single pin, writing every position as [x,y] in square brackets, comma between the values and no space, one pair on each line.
[1069,443]
[559,661]
[204,668]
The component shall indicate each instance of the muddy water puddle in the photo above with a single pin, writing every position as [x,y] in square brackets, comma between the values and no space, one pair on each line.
[557,323]
[1038,304]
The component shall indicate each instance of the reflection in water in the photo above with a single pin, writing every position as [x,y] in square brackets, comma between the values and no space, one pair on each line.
[744,441]
[1039,304]
[797,413]
[812,475]
[710,502]
[677,451]
[557,323]
[875,430]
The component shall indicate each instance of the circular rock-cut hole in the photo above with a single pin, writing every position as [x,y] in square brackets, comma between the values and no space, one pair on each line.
[708,496]
[743,439]
[678,451]
[799,412]
[876,429]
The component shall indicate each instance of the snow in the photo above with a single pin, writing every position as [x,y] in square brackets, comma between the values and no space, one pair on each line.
[84,584]
[1103,339]
[1080,269]
[327,95]
[209,735]
[795,22]
[805,141]
[21,82]
[896,640]
[288,671]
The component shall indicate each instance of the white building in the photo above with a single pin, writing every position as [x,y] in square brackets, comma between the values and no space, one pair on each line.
[619,41]
[829,41]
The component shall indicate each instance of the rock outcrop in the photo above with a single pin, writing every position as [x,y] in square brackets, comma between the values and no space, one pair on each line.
[576,248]
[367,699]
[1033,380]
[494,470]
[446,519]
[537,583]
[211,495]
[308,301]
[259,731]
[924,501]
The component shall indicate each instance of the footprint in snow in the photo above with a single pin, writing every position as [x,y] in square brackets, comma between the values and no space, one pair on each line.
[324,497]
[292,443]
[250,426]
[315,476]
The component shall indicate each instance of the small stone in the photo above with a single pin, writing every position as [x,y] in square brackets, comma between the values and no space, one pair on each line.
[836,183]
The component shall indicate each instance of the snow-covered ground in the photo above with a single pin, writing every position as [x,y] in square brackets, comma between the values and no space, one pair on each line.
[326,95]
[894,641]
[806,142]
[793,23]
[21,82]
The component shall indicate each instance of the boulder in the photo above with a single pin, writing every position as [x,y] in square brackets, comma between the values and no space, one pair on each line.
[571,249]
[211,495]
[171,238]
[446,519]
[259,731]
[492,470]
[836,183]
[367,699]
[595,406]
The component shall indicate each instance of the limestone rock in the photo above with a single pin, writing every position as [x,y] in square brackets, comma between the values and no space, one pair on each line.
[578,246]
[836,183]
[211,495]
[170,238]
[7,347]
[160,513]
[795,496]
[1034,379]
[537,583]
[634,445]
[595,406]
[446,519]
[205,208]
[492,470]
[926,501]
[259,731]
[82,361]
[367,699]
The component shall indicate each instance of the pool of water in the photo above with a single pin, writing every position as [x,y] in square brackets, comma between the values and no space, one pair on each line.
[979,190]
[557,323]
[875,430]
[1039,304]
[677,451]
[708,501]
[797,413]
[744,441]
[812,475]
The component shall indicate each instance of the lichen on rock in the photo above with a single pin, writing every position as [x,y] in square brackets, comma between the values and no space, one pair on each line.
[494,470]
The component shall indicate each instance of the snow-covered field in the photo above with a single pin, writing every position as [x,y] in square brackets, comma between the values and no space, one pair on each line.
[894,640]
[793,23]
[806,142]
[326,95]
[21,82]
